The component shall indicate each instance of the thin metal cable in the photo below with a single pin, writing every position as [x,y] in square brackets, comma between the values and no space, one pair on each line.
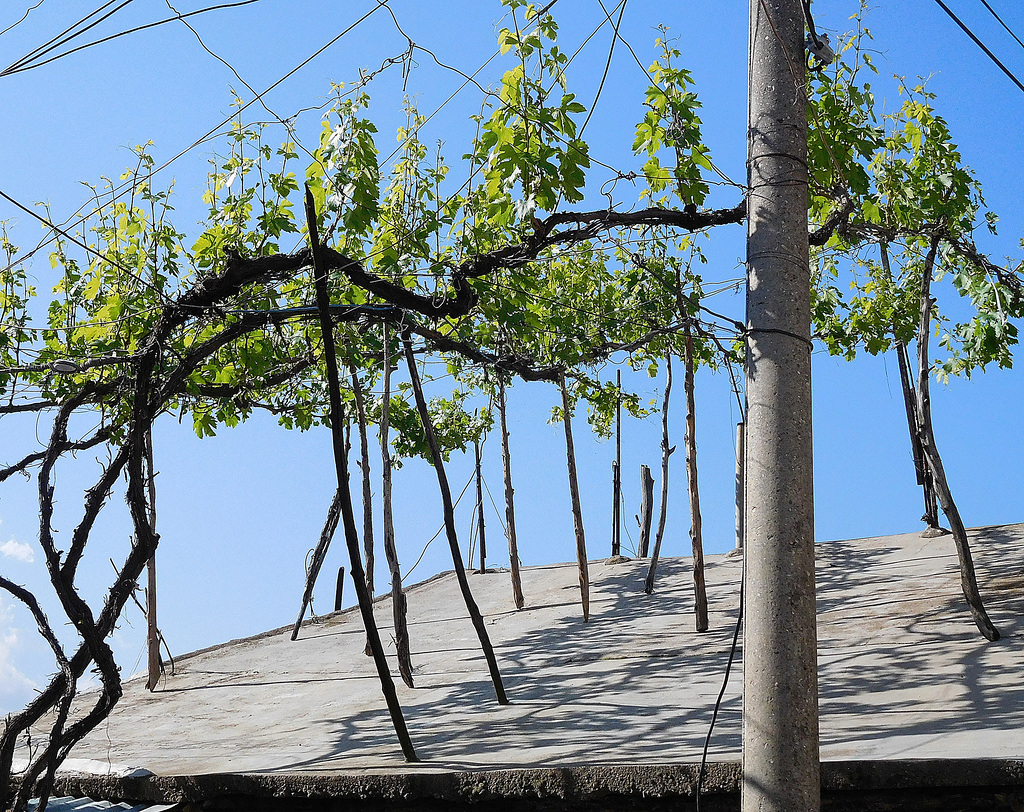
[24,17]
[56,42]
[1004,25]
[981,45]
[438,533]
[33,64]
[721,693]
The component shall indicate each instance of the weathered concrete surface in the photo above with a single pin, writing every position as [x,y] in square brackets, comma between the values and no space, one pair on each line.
[622,702]
[991,785]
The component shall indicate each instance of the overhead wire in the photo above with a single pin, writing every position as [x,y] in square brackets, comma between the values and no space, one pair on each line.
[981,45]
[117,192]
[288,128]
[729,181]
[258,96]
[35,64]
[66,35]
[88,248]
[607,65]
[1004,25]
[122,189]
[22,19]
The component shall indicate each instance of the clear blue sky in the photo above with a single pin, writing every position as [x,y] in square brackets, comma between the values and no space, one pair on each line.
[238,513]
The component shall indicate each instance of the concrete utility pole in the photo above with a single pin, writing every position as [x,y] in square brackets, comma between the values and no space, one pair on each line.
[781,771]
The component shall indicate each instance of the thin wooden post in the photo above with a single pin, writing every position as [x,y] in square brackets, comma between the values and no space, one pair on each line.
[700,595]
[399,605]
[617,470]
[615,508]
[577,511]
[510,512]
[666,452]
[480,510]
[339,589]
[364,467]
[340,464]
[646,509]
[155,666]
[449,520]
[317,560]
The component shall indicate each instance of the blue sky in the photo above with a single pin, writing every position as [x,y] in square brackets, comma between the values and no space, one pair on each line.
[238,512]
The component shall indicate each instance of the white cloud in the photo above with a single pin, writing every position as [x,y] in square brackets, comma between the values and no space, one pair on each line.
[18,550]
[15,687]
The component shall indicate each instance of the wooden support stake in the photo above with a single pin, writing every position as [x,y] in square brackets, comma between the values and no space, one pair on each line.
[155,666]
[646,509]
[339,589]
[577,511]
[364,467]
[615,508]
[317,560]
[480,509]
[340,463]
[666,452]
[449,520]
[510,512]
[700,595]
[399,606]
[617,469]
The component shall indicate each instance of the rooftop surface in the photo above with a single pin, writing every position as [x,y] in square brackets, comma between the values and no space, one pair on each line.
[903,672]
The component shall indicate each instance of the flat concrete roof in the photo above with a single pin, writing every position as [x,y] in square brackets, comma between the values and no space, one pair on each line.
[904,675]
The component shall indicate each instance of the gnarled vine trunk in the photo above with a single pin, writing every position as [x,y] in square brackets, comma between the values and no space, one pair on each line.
[399,607]
[923,473]
[968,577]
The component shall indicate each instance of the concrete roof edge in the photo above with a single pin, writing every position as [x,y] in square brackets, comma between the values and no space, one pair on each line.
[584,782]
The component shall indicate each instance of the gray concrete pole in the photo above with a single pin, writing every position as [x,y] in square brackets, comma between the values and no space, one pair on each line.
[781,771]
[740,464]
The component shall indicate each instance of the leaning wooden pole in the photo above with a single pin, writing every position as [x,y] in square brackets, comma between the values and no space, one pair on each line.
[700,594]
[449,520]
[480,508]
[577,510]
[924,477]
[364,467]
[317,561]
[968,577]
[617,470]
[666,452]
[340,465]
[399,607]
[155,666]
[510,510]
